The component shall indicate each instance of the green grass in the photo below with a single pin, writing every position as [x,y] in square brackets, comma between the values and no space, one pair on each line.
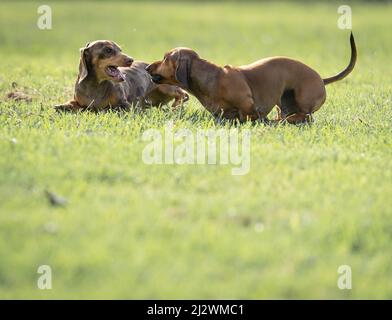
[322,193]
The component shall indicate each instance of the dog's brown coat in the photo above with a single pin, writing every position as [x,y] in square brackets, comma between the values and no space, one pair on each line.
[251,91]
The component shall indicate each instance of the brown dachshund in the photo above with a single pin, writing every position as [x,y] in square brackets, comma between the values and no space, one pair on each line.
[251,91]
[109,79]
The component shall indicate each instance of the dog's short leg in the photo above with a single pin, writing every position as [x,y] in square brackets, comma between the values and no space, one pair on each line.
[298,118]
[310,98]
[71,106]
[180,97]
[122,106]
[179,101]
[247,110]
[291,111]
[288,105]
[164,93]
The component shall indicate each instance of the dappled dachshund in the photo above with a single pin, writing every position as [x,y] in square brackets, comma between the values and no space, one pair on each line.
[249,92]
[109,79]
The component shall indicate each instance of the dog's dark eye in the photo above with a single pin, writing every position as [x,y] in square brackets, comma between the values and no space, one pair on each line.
[108,50]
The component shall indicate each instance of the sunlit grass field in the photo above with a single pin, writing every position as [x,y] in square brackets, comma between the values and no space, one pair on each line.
[316,197]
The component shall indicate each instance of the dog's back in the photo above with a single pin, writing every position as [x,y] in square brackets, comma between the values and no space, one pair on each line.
[137,82]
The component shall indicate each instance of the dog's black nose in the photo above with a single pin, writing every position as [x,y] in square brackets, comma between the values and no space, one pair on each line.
[129,61]
[157,78]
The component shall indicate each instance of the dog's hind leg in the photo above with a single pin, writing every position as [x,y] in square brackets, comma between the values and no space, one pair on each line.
[310,97]
[71,106]
[288,105]
[290,110]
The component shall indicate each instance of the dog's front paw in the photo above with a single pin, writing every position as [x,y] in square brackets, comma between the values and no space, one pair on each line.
[62,108]
[68,107]
[182,95]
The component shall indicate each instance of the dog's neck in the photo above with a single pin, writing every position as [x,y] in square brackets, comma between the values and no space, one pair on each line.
[203,77]
[93,90]
[92,78]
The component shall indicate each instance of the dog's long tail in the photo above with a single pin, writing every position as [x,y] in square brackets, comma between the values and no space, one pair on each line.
[350,66]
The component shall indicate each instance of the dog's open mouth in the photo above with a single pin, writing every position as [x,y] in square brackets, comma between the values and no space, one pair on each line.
[114,73]
[156,78]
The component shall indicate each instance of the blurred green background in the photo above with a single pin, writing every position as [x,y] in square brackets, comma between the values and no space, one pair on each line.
[316,197]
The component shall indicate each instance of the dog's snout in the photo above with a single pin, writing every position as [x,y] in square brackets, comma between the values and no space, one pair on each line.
[151,68]
[128,61]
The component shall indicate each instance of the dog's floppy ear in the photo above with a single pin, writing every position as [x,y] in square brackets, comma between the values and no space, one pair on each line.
[183,69]
[83,71]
